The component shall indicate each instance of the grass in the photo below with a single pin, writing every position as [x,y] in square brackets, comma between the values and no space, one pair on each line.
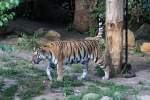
[30,88]
[30,82]
[110,89]
[73,97]
[30,79]
[7,48]
[9,93]
[68,82]
[76,68]
[30,40]
[99,71]
[136,49]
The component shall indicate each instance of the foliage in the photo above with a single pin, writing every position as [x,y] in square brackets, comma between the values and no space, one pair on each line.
[68,82]
[99,71]
[91,96]
[99,10]
[5,11]
[136,49]
[28,42]
[29,79]
[9,93]
[76,68]
[92,31]
[7,48]
[139,9]
[74,97]
[68,91]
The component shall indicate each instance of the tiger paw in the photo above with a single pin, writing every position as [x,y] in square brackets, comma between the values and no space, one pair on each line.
[82,78]
[59,79]
[46,83]
[105,78]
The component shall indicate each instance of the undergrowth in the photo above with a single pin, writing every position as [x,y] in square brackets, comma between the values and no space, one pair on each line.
[29,79]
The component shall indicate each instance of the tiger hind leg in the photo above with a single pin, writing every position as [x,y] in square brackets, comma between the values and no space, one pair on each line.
[48,71]
[85,71]
[106,71]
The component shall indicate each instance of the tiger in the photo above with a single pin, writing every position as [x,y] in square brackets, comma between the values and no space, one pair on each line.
[62,53]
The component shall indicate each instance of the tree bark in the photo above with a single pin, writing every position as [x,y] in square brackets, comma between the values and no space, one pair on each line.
[114,36]
[82,14]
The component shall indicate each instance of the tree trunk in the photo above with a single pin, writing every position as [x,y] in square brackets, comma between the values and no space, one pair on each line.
[114,36]
[82,14]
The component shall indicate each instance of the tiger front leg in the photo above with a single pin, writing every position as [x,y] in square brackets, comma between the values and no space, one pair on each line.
[106,71]
[60,72]
[48,71]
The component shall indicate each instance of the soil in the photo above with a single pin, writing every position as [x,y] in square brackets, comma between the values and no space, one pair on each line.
[141,65]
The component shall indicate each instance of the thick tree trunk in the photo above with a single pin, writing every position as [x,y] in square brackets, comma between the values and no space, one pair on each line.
[82,14]
[114,36]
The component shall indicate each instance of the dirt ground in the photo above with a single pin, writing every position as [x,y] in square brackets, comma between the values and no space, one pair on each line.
[140,64]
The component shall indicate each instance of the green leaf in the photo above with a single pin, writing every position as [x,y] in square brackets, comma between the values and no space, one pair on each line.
[1,23]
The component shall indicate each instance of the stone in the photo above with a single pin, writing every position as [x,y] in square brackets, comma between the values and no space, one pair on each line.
[40,30]
[106,98]
[143,33]
[131,39]
[91,96]
[52,35]
[145,97]
[145,47]
[5,30]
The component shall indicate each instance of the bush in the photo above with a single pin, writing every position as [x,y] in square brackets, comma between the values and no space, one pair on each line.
[7,48]
[28,42]
[139,9]
[5,11]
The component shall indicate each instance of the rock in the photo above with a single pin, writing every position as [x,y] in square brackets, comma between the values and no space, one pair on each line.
[5,30]
[145,47]
[106,98]
[131,38]
[40,30]
[52,35]
[143,33]
[91,96]
[130,97]
[145,97]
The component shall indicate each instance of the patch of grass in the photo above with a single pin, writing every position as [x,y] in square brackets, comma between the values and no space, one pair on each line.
[67,82]
[76,68]
[5,58]
[7,48]
[92,31]
[30,88]
[9,93]
[136,49]
[93,89]
[30,79]
[68,91]
[91,96]
[108,89]
[73,97]
[1,84]
[28,42]
[99,71]
[141,82]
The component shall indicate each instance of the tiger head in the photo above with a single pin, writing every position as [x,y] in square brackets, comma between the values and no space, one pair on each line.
[38,55]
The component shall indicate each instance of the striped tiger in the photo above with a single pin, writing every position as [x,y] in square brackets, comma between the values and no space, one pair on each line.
[62,53]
